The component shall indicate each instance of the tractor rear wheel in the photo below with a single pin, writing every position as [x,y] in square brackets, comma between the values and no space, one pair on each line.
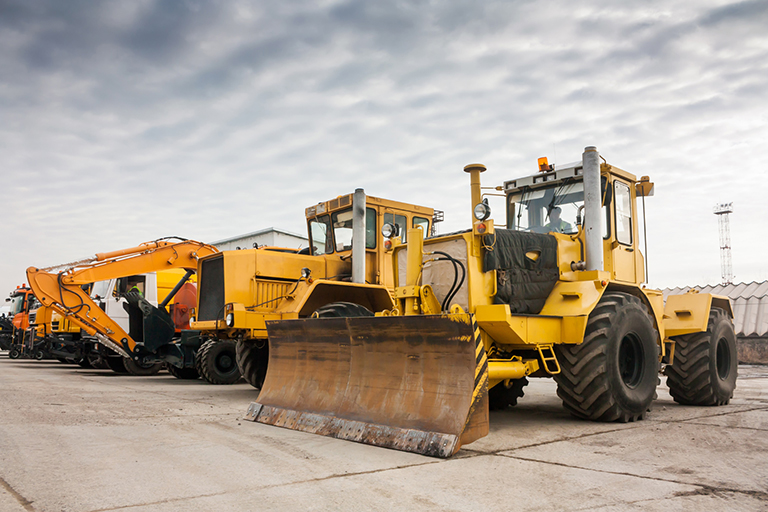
[252,359]
[183,373]
[505,394]
[612,374]
[705,364]
[141,369]
[216,361]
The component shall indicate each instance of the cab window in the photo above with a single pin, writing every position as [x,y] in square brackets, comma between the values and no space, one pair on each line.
[400,221]
[423,224]
[623,213]
[370,228]
[131,283]
[342,229]
[321,240]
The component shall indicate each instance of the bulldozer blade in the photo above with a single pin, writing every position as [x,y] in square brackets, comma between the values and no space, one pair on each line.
[417,384]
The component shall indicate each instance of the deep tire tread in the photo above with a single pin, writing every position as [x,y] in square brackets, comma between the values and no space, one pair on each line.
[690,378]
[205,362]
[583,384]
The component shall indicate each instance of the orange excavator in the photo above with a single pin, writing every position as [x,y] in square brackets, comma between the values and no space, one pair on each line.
[151,339]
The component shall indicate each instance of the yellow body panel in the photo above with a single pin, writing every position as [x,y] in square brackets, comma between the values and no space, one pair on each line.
[260,285]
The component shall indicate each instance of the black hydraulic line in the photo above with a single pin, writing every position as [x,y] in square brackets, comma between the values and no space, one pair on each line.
[455,280]
[454,289]
[176,288]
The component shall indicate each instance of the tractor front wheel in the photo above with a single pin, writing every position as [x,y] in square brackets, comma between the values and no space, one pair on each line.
[252,359]
[705,364]
[216,361]
[612,374]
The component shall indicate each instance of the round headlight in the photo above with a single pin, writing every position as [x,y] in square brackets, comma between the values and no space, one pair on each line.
[230,319]
[389,230]
[482,211]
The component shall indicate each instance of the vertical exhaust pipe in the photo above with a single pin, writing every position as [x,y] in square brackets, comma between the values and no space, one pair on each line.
[474,171]
[592,205]
[358,236]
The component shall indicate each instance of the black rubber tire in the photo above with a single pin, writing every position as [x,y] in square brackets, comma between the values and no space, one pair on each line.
[705,364]
[341,310]
[612,375]
[216,361]
[14,353]
[39,355]
[505,394]
[183,373]
[252,359]
[116,364]
[141,369]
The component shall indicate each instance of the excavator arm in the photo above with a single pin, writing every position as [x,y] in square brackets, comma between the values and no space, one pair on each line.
[63,291]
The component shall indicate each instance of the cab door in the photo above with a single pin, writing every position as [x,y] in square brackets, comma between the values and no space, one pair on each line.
[623,245]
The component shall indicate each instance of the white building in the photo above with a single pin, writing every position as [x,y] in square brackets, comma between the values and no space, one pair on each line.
[270,236]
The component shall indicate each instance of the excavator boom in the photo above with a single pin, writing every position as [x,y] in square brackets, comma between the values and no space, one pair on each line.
[63,291]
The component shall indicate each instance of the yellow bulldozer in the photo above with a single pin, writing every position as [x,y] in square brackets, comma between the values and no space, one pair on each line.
[239,291]
[556,293]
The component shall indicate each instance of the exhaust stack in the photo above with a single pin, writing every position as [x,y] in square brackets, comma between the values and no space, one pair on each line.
[358,236]
[592,206]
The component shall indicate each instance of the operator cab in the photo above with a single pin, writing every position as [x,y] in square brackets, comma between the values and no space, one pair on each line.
[551,201]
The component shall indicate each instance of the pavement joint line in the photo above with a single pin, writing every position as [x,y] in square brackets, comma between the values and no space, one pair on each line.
[637,425]
[729,426]
[24,502]
[274,486]
[711,489]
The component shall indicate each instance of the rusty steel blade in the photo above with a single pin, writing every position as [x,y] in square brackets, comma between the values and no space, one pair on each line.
[412,383]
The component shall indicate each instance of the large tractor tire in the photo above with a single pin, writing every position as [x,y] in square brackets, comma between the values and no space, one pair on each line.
[252,359]
[116,364]
[183,373]
[141,369]
[341,310]
[612,375]
[505,394]
[216,361]
[705,364]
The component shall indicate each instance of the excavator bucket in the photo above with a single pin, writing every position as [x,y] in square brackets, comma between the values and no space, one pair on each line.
[418,384]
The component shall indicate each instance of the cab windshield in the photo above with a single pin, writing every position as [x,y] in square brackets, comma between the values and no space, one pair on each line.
[17,304]
[334,233]
[548,209]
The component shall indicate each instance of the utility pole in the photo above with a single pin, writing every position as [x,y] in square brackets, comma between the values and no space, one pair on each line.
[723,210]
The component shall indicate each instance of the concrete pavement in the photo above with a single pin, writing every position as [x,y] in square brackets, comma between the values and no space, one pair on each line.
[91,440]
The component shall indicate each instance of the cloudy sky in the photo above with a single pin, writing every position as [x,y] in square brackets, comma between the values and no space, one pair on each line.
[126,121]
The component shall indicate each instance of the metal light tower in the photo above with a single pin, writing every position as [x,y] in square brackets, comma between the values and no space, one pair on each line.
[722,211]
